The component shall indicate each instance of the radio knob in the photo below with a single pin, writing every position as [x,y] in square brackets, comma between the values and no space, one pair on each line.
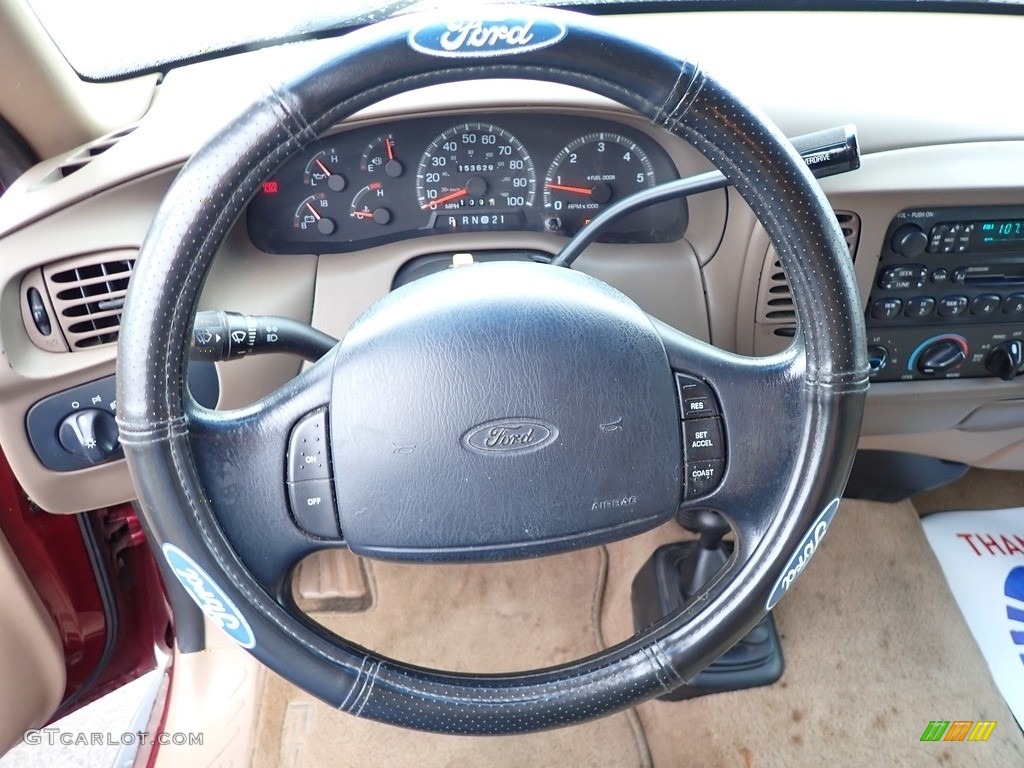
[910,241]
[1006,360]
[940,356]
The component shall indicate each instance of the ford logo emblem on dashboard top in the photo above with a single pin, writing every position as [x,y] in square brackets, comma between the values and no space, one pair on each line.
[510,436]
[479,38]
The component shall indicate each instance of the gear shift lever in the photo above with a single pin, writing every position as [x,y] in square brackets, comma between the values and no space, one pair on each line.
[674,574]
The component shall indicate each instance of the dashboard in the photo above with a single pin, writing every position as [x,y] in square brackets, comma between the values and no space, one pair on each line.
[518,167]
[495,172]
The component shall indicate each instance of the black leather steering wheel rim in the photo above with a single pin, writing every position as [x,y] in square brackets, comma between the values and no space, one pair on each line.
[816,389]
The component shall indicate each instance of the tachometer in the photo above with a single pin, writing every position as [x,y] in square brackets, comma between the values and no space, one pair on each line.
[476,166]
[589,173]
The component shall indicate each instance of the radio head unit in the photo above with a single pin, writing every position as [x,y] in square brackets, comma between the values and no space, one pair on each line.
[948,295]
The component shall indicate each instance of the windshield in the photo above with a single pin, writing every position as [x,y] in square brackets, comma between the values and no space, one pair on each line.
[108,39]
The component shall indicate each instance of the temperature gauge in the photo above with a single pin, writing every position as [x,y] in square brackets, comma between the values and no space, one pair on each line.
[370,205]
[382,157]
[313,214]
[321,171]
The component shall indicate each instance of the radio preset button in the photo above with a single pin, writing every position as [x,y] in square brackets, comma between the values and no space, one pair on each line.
[986,304]
[920,306]
[1014,304]
[952,306]
[886,309]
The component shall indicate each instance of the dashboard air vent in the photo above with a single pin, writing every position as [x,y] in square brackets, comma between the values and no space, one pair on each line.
[775,299]
[88,293]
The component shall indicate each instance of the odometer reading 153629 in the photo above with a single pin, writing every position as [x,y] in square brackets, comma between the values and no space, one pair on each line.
[475,166]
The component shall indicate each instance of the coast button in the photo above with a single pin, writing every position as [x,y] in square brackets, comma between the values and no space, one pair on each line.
[702,477]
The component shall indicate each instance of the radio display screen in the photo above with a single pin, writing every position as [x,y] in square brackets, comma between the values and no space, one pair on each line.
[1007,234]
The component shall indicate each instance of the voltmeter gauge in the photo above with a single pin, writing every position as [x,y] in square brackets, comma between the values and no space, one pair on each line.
[314,214]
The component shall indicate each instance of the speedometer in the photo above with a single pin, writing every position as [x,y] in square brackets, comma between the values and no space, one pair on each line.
[476,167]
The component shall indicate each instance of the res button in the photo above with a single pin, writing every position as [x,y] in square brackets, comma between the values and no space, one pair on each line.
[696,399]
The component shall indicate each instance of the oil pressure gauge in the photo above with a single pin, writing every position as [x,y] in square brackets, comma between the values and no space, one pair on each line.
[589,173]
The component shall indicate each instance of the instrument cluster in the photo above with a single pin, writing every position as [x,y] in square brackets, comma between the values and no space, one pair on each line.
[502,172]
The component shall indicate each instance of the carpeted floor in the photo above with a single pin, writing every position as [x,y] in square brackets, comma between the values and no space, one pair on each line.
[875,648]
[978,489]
[500,617]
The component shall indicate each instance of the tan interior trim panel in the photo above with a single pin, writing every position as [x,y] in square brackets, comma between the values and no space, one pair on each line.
[31,657]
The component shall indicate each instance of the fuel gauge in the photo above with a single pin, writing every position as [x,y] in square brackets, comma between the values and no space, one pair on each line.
[381,156]
[370,205]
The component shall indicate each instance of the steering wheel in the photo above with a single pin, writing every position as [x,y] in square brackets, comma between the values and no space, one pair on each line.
[496,411]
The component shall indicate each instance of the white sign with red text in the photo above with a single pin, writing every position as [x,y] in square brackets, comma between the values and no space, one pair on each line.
[982,556]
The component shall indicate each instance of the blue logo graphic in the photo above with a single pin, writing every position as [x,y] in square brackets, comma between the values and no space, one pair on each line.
[209,597]
[1014,589]
[803,554]
[481,38]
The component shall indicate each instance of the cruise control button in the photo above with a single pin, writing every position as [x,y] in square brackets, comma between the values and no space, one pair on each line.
[307,449]
[702,477]
[313,506]
[696,400]
[702,440]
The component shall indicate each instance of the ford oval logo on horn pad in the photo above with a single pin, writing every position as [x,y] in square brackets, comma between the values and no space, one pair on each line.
[510,436]
[481,37]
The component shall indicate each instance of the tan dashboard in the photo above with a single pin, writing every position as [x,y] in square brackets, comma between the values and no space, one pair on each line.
[83,210]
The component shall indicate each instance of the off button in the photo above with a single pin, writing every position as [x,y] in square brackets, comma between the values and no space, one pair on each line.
[313,507]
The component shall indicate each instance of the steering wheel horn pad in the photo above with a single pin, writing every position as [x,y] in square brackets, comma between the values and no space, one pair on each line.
[502,410]
[210,482]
